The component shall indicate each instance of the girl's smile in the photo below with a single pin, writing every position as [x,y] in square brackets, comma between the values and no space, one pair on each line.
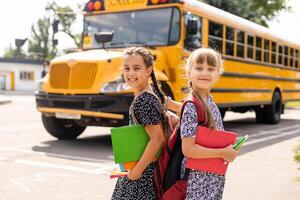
[204,76]
[135,72]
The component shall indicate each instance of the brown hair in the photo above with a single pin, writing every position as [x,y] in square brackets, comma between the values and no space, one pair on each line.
[148,61]
[212,58]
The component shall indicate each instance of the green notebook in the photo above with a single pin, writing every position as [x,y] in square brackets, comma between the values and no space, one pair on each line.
[128,142]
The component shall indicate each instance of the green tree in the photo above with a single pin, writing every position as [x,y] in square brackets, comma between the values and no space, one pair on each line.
[42,40]
[258,11]
[66,17]
[11,52]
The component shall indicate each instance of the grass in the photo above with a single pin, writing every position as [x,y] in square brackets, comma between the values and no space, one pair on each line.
[297,153]
[293,104]
[297,157]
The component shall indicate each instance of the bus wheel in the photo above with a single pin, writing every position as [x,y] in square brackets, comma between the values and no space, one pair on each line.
[62,129]
[272,112]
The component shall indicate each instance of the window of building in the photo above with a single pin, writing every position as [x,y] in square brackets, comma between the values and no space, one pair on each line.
[250,45]
[273,57]
[26,75]
[258,48]
[215,36]
[240,43]
[280,55]
[229,41]
[286,53]
[267,50]
[292,57]
[296,58]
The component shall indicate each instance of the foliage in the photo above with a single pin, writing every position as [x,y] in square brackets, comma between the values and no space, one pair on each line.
[14,53]
[258,11]
[297,154]
[42,40]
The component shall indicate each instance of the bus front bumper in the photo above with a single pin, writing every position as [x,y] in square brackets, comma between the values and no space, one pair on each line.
[114,107]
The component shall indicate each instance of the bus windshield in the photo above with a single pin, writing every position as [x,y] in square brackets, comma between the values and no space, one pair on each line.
[155,27]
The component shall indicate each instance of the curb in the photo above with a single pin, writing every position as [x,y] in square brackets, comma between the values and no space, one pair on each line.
[4,101]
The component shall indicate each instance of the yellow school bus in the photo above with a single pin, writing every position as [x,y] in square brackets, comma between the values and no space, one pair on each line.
[85,88]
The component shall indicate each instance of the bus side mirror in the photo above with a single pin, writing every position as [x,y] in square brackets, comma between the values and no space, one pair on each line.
[192,26]
[103,37]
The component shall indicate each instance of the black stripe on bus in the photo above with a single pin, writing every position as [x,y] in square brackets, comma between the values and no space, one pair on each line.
[291,91]
[233,90]
[243,60]
[252,76]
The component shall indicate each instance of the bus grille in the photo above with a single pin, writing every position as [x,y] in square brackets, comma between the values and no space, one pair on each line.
[80,76]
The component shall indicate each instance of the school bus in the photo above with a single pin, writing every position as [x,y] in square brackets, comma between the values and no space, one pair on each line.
[85,88]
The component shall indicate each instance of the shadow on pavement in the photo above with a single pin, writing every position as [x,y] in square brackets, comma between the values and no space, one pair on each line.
[250,127]
[95,147]
[99,147]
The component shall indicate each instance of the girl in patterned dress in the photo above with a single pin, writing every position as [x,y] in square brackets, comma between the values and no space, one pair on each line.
[203,70]
[137,68]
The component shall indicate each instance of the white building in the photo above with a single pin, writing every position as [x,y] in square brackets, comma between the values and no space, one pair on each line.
[20,74]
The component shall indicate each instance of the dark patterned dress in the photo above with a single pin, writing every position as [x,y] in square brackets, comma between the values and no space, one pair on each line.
[201,185]
[148,111]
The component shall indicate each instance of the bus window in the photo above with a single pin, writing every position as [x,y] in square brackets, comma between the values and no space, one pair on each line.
[286,53]
[229,40]
[250,44]
[215,36]
[280,54]
[193,41]
[175,27]
[258,48]
[273,57]
[291,57]
[240,43]
[266,50]
[296,58]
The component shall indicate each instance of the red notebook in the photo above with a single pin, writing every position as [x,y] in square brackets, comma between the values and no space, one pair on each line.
[211,139]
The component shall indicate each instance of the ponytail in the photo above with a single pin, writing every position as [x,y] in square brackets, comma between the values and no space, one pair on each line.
[157,88]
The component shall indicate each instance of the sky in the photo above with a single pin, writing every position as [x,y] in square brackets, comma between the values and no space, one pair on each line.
[17,17]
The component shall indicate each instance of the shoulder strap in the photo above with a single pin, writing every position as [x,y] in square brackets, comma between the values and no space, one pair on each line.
[199,107]
[131,111]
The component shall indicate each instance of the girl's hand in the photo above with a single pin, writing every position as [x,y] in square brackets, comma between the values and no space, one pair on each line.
[229,154]
[134,174]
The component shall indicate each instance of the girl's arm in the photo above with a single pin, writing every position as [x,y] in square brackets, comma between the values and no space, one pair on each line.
[173,105]
[156,136]
[192,150]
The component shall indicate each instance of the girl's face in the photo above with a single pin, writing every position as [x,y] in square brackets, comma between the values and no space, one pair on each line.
[203,76]
[135,72]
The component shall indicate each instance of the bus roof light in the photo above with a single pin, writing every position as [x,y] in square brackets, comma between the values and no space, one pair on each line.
[163,1]
[90,6]
[154,1]
[97,5]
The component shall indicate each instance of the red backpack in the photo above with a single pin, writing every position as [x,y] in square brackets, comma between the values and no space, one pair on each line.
[169,185]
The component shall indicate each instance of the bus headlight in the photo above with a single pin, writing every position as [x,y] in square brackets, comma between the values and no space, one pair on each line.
[114,87]
[40,86]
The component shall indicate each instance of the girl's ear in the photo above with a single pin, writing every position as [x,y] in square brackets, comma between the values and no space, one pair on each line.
[149,70]
[189,74]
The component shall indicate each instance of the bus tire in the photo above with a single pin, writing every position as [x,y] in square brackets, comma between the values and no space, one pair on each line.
[62,129]
[272,112]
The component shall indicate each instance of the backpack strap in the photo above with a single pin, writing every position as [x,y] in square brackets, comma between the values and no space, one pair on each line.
[201,114]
